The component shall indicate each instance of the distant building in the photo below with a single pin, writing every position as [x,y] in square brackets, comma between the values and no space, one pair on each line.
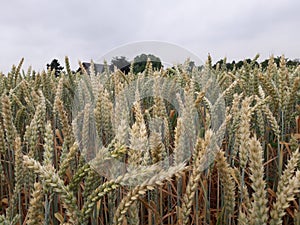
[99,68]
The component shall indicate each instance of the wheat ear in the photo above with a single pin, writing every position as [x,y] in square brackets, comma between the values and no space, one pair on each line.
[195,177]
[36,207]
[140,190]
[227,181]
[258,212]
[52,180]
[283,199]
[289,171]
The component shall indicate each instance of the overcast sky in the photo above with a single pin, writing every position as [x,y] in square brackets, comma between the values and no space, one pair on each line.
[41,30]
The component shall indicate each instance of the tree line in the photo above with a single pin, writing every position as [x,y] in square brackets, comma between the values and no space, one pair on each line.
[140,61]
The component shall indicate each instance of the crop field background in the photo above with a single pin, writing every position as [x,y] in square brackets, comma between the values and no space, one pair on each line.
[254,177]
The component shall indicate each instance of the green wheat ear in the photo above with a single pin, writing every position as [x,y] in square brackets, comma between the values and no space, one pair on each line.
[225,174]
[36,208]
[45,179]
[258,211]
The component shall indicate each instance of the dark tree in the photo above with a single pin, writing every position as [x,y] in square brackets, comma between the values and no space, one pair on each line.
[140,61]
[294,62]
[220,62]
[223,64]
[239,64]
[254,63]
[264,64]
[191,66]
[121,63]
[289,62]
[54,65]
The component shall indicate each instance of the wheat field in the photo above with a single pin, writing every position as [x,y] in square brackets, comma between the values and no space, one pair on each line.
[253,177]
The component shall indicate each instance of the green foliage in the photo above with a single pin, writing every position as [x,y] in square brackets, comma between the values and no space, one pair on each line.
[264,64]
[140,61]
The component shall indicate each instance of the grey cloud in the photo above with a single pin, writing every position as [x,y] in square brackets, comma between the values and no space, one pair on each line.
[41,30]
